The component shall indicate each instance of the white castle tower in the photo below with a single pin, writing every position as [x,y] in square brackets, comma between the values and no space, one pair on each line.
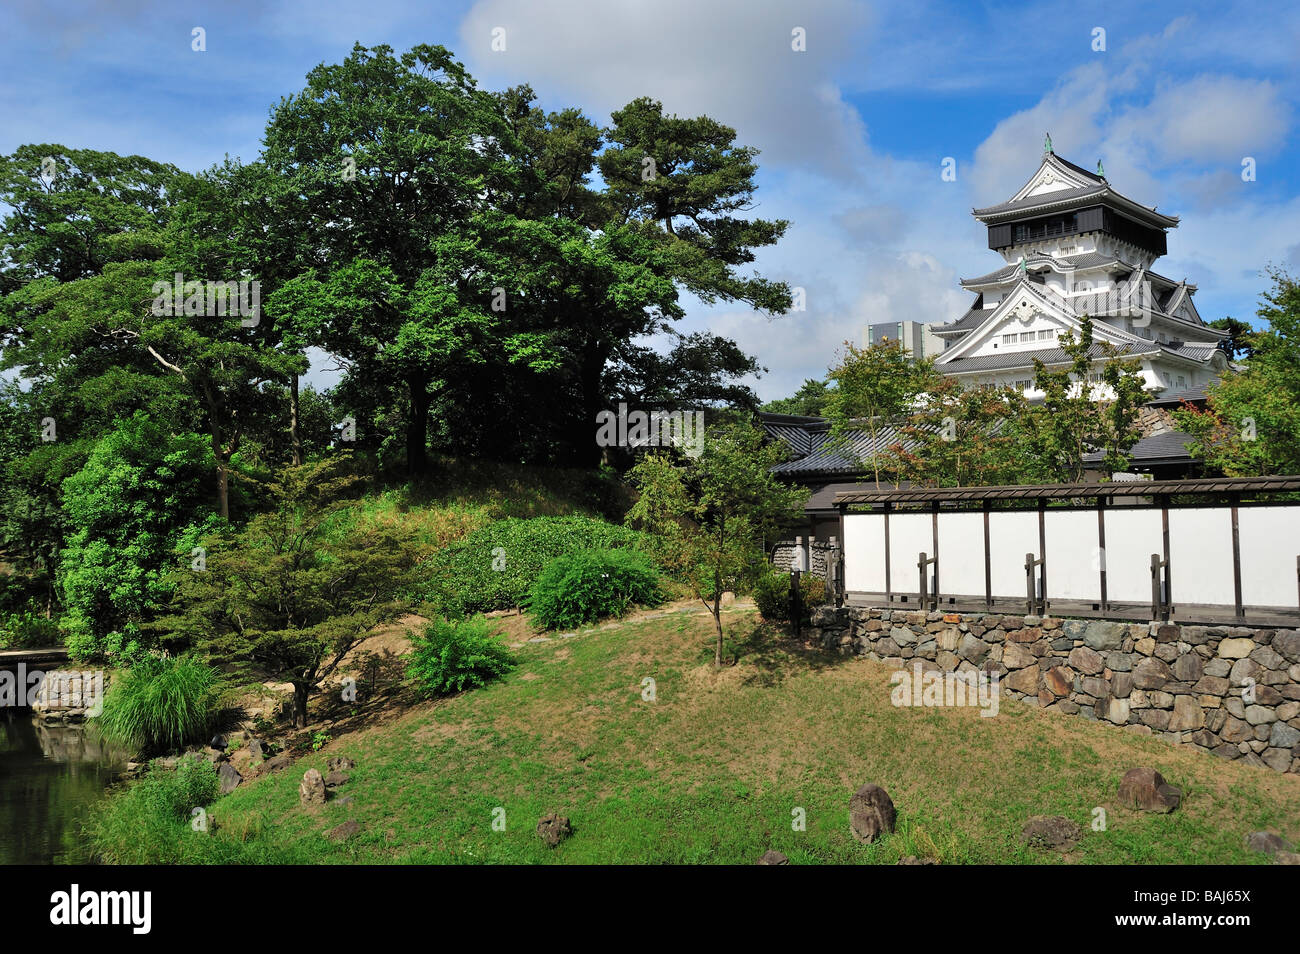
[1073,246]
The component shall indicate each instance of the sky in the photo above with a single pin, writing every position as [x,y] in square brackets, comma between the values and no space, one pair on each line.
[854,128]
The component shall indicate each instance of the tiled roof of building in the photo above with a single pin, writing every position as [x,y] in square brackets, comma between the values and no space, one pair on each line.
[1169,447]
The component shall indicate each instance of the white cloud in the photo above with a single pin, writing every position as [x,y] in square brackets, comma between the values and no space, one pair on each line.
[730,59]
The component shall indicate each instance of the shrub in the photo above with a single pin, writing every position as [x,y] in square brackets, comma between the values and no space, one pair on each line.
[125,510]
[149,822]
[161,703]
[495,567]
[451,656]
[28,629]
[772,595]
[593,584]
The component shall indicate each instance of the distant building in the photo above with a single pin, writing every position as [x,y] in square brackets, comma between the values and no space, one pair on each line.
[913,335]
[1073,246]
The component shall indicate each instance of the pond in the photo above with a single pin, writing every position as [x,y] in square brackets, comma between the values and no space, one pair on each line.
[50,776]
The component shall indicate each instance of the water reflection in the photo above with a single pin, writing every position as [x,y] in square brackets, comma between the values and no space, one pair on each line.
[49,777]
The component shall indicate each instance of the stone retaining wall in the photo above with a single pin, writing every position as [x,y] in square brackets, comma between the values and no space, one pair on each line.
[1234,691]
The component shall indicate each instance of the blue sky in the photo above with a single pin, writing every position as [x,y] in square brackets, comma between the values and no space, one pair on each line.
[853,130]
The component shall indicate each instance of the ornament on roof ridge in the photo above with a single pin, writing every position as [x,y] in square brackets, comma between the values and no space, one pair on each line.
[1100,173]
[1047,143]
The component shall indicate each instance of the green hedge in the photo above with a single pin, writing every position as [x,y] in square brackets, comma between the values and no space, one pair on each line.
[590,585]
[495,566]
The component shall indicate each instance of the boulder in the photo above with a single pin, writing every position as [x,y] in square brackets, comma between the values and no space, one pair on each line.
[255,749]
[1187,715]
[335,779]
[1188,667]
[1236,648]
[913,860]
[1051,831]
[1059,680]
[275,763]
[1287,642]
[311,790]
[230,778]
[1267,842]
[871,813]
[1145,789]
[341,763]
[553,829]
[771,857]
[345,831]
[1151,673]
[1100,634]
[1086,661]
[1024,680]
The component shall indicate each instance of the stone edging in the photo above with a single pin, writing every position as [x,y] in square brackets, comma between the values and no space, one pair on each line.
[1234,691]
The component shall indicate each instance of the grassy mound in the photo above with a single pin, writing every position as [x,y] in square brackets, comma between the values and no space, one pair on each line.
[719,764]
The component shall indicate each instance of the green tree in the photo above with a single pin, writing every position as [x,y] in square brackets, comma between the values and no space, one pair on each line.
[1084,408]
[809,401]
[710,513]
[126,515]
[298,587]
[1241,334]
[874,387]
[963,437]
[387,159]
[1250,425]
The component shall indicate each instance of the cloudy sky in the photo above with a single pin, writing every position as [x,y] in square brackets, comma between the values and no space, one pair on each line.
[854,129]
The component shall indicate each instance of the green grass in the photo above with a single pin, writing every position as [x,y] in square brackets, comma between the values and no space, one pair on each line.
[711,771]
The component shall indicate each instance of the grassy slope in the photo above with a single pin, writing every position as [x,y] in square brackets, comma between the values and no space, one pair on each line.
[711,771]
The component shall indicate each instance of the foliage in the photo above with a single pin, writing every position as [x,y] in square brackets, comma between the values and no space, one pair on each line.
[298,587]
[592,584]
[451,656]
[710,513]
[161,703]
[28,629]
[963,437]
[126,511]
[1240,334]
[809,401]
[1251,423]
[772,595]
[1069,423]
[494,567]
[874,386]
[148,821]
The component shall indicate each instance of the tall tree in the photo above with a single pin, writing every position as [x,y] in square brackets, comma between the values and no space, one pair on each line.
[1250,425]
[1085,408]
[874,388]
[710,513]
[963,437]
[388,157]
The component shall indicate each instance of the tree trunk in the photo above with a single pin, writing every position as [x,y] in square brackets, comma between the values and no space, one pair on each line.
[417,428]
[223,489]
[300,690]
[717,625]
[587,452]
[295,440]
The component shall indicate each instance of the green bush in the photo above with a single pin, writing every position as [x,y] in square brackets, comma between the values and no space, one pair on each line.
[451,656]
[149,822]
[495,567]
[126,509]
[772,595]
[161,703]
[591,585]
[28,629]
